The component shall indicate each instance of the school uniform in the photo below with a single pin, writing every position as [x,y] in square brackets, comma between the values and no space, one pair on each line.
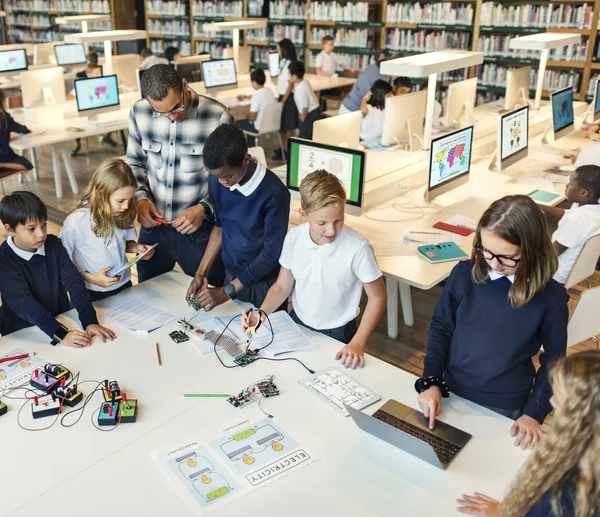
[328,63]
[566,503]
[328,279]
[304,97]
[371,125]
[92,253]
[575,227]
[150,61]
[34,288]
[7,155]
[289,112]
[259,101]
[483,347]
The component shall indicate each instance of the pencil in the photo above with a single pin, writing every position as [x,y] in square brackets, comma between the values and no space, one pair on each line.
[205,395]
[158,354]
[427,233]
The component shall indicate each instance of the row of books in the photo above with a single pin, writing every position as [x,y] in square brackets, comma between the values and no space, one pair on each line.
[18,19]
[219,35]
[486,97]
[214,49]
[170,27]
[296,33]
[160,44]
[497,45]
[355,61]
[592,84]
[342,37]
[46,36]
[287,9]
[219,8]
[172,7]
[426,41]
[439,13]
[78,6]
[557,15]
[92,26]
[495,75]
[255,7]
[358,12]
[261,55]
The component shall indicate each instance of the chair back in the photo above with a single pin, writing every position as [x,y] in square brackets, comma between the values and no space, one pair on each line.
[271,119]
[584,323]
[259,154]
[586,261]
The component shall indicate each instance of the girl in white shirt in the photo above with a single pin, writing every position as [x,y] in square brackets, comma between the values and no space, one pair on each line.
[99,232]
[289,112]
[373,110]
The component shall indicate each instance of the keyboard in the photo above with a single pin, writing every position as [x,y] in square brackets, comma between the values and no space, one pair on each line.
[444,449]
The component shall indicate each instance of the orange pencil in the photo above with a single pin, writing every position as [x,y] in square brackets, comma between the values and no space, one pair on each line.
[158,355]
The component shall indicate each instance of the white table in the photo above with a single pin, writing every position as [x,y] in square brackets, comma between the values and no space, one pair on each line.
[357,475]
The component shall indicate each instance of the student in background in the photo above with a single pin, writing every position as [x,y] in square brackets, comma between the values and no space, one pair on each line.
[150,59]
[306,102]
[562,476]
[494,315]
[99,232]
[401,86]
[252,208]
[328,60]
[8,158]
[259,101]
[324,266]
[171,54]
[579,223]
[37,274]
[373,110]
[289,112]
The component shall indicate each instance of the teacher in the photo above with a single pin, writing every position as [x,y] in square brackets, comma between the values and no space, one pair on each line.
[167,131]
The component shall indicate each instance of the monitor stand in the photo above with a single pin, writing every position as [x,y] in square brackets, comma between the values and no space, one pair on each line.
[545,134]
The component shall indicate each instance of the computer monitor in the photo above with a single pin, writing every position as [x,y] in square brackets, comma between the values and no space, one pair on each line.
[343,130]
[13,61]
[274,64]
[43,86]
[450,162]
[461,100]
[348,165]
[43,53]
[70,54]
[513,137]
[517,88]
[190,68]
[596,104]
[563,119]
[245,57]
[219,75]
[404,118]
[97,95]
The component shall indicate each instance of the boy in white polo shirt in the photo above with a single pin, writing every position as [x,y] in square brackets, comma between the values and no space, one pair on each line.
[258,102]
[580,222]
[324,265]
[306,102]
[328,60]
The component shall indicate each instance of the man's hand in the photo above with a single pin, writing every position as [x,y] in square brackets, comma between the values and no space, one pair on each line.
[352,356]
[199,283]
[211,297]
[99,331]
[101,279]
[528,432]
[189,220]
[478,504]
[144,209]
[77,339]
[430,402]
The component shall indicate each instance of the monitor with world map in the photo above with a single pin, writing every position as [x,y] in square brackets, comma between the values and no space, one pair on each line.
[97,95]
[450,162]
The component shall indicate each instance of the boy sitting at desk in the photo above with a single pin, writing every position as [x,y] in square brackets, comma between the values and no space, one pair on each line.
[306,102]
[579,223]
[36,275]
[324,266]
[259,101]
[252,209]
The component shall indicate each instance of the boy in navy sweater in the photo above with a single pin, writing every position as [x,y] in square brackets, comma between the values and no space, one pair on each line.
[252,208]
[36,275]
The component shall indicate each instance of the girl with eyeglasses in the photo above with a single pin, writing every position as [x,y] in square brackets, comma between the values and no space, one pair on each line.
[495,314]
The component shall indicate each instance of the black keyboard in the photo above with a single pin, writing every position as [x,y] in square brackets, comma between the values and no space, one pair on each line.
[444,449]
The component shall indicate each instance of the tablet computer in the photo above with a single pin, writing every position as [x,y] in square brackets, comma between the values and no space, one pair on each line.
[133,261]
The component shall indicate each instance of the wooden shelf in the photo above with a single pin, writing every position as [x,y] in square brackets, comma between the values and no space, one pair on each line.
[256,43]
[566,64]
[333,23]
[168,17]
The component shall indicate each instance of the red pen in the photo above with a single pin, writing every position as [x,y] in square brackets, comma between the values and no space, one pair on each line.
[159,219]
[15,357]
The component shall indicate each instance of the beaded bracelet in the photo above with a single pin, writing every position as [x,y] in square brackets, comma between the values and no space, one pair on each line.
[424,383]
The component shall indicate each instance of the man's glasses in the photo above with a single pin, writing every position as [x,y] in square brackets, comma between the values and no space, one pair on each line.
[488,255]
[176,110]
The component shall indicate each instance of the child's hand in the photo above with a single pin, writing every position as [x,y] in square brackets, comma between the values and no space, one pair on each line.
[478,504]
[430,402]
[101,279]
[77,339]
[198,283]
[352,356]
[253,320]
[140,248]
[367,96]
[528,432]
[99,331]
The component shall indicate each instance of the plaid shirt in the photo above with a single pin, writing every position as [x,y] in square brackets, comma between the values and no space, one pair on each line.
[166,156]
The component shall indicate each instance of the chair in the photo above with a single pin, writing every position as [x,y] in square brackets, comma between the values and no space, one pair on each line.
[585,264]
[270,123]
[259,154]
[6,173]
[585,324]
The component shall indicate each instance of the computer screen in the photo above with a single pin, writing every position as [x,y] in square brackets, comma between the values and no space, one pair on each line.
[13,60]
[273,64]
[219,72]
[597,101]
[347,164]
[562,109]
[70,54]
[450,157]
[97,92]
[514,132]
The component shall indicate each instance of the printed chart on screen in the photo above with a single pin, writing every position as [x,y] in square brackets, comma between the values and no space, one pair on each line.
[219,73]
[514,133]
[340,164]
[450,157]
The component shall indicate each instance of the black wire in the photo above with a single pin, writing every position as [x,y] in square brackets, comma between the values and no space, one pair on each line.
[100,428]
[260,358]
[41,428]
[98,387]
[270,328]
[217,341]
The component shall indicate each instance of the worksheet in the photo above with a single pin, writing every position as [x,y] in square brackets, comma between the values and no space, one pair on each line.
[18,372]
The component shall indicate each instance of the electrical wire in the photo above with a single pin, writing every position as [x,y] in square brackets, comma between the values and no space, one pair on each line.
[100,428]
[83,406]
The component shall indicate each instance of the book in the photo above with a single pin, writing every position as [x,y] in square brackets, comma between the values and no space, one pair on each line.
[442,252]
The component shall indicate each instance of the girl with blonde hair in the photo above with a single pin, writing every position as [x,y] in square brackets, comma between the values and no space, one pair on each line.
[562,477]
[100,231]
[494,315]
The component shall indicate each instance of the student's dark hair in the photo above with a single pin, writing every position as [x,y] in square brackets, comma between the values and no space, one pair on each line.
[158,80]
[326,38]
[258,76]
[146,52]
[226,145]
[297,68]
[3,121]
[380,89]
[288,51]
[588,177]
[22,206]
[170,53]
[396,55]
[92,57]
[402,82]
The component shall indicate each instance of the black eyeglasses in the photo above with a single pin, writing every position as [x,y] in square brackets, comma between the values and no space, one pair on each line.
[488,255]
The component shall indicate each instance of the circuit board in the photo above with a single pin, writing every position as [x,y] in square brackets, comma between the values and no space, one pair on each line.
[179,336]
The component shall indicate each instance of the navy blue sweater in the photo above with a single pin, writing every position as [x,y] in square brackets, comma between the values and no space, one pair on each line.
[254,227]
[6,152]
[35,291]
[483,346]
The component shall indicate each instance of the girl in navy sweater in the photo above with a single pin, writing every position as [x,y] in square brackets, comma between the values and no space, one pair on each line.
[8,158]
[562,477]
[494,315]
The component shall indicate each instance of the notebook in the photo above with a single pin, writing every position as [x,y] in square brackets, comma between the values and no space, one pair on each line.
[543,197]
[442,252]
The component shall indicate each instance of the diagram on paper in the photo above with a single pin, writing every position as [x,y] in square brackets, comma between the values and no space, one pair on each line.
[340,164]
[17,372]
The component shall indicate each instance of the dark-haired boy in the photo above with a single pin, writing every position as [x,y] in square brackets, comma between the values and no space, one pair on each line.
[36,275]
[252,208]
[259,101]
[306,102]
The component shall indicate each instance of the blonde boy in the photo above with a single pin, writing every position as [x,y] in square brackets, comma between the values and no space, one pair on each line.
[324,265]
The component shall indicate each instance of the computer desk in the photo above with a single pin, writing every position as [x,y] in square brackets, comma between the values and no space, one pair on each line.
[90,472]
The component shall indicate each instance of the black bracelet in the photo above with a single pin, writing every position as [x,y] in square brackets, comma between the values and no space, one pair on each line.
[424,383]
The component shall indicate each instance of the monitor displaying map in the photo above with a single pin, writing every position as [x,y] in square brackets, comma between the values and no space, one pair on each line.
[13,60]
[450,157]
[562,108]
[97,92]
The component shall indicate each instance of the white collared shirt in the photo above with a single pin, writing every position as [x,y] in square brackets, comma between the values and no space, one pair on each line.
[329,278]
[328,63]
[304,96]
[252,184]
[283,81]
[26,255]
[259,101]
[495,276]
